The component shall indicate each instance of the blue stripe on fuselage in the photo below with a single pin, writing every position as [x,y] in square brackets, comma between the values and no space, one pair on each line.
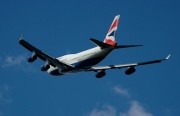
[88,62]
[79,66]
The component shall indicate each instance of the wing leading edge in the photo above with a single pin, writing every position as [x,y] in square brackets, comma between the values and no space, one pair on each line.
[52,61]
[96,68]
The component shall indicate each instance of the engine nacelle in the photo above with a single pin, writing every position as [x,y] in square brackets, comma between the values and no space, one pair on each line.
[130,70]
[100,73]
[32,58]
[45,67]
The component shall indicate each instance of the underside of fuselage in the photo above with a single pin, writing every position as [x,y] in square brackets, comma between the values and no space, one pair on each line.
[81,65]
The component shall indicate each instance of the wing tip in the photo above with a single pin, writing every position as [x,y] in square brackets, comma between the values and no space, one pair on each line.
[168,57]
[21,37]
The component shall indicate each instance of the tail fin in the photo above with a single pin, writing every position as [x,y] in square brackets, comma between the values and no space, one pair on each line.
[110,37]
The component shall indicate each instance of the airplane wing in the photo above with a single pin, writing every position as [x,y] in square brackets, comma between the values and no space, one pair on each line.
[96,68]
[52,61]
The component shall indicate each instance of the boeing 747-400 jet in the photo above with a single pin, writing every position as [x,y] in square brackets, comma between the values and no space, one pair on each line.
[86,60]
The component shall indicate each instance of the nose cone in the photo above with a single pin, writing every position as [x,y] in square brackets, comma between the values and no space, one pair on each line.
[54,71]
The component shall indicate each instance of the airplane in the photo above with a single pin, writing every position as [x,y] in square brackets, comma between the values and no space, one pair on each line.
[86,60]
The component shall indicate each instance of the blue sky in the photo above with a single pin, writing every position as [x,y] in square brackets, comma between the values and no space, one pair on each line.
[63,27]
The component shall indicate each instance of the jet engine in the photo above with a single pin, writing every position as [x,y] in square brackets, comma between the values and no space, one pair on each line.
[32,58]
[100,73]
[130,70]
[45,67]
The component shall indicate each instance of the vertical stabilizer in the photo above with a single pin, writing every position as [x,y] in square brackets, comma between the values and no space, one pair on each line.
[110,37]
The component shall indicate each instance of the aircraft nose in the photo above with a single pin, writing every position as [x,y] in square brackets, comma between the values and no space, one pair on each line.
[54,72]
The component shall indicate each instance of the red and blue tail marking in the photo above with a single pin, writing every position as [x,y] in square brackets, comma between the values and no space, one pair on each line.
[110,37]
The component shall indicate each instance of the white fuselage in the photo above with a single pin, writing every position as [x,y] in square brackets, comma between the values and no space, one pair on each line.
[80,61]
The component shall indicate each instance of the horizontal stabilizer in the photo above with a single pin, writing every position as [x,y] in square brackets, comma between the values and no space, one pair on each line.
[125,46]
[100,43]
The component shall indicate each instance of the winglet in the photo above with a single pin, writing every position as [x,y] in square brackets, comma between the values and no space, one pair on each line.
[21,37]
[168,56]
